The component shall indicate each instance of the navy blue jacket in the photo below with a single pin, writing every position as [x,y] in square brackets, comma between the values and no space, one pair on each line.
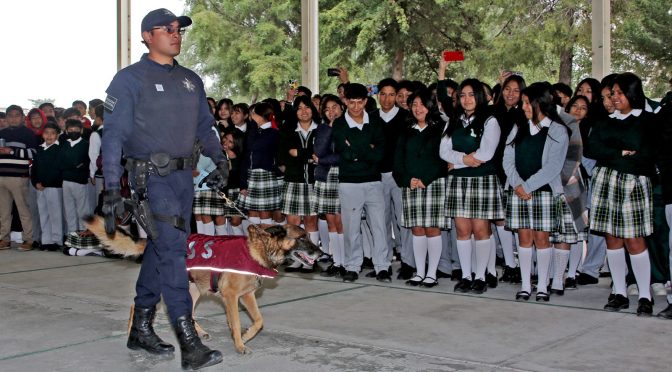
[325,152]
[261,148]
[152,108]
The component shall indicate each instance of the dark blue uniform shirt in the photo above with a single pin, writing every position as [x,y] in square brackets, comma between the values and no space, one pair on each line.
[152,108]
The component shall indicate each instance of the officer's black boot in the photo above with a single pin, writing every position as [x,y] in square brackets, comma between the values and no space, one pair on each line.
[195,355]
[142,335]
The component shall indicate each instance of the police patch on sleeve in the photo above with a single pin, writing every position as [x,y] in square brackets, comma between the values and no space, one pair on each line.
[110,102]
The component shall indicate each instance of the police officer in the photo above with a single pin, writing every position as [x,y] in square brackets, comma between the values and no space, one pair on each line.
[156,111]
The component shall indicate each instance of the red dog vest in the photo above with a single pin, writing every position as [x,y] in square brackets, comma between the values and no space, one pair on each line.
[226,253]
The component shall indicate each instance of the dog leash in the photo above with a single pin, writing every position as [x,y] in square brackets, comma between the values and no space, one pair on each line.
[232,204]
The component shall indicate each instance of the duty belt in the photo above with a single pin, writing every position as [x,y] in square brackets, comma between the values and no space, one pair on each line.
[161,166]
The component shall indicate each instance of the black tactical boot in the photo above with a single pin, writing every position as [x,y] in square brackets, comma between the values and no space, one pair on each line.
[195,355]
[142,335]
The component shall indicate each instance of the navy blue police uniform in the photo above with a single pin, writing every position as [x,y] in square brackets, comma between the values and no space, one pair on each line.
[153,108]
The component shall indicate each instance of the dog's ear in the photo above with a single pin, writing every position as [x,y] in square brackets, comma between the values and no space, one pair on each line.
[256,232]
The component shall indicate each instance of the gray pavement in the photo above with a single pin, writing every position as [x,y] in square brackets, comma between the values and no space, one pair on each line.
[61,313]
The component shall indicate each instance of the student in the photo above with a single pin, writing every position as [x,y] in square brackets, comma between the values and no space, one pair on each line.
[420,172]
[624,148]
[47,179]
[360,143]
[208,207]
[533,159]
[474,195]
[233,143]
[74,166]
[298,193]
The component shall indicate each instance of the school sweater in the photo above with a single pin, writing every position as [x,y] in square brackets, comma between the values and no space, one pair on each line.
[636,132]
[360,160]
[507,119]
[45,169]
[299,169]
[23,142]
[325,152]
[392,130]
[261,148]
[417,156]
[74,162]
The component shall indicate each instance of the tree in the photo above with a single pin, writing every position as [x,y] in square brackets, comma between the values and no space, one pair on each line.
[36,102]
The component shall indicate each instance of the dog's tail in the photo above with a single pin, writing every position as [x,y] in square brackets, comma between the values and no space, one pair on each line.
[119,243]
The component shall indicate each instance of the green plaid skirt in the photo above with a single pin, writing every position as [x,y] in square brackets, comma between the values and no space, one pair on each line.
[263,192]
[232,194]
[328,201]
[538,213]
[207,202]
[298,199]
[566,231]
[425,207]
[621,204]
[474,197]
[74,240]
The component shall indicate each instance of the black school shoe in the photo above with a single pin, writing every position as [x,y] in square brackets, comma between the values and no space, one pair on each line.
[429,282]
[667,313]
[371,274]
[330,271]
[405,272]
[617,303]
[585,279]
[350,276]
[570,283]
[456,275]
[491,280]
[384,275]
[645,307]
[440,274]
[367,263]
[479,286]
[463,286]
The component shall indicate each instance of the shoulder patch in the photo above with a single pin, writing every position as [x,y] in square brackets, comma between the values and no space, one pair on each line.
[110,102]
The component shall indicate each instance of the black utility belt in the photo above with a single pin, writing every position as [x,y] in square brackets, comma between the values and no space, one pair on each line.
[161,164]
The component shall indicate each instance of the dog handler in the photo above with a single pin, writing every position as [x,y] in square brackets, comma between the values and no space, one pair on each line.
[156,109]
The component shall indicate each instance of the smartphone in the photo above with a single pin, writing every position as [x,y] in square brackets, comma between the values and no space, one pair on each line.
[293,84]
[453,55]
[372,89]
[333,71]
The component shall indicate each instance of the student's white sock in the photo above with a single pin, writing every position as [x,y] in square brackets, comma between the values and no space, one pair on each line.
[221,230]
[284,221]
[506,238]
[324,235]
[525,261]
[482,249]
[199,227]
[267,221]
[333,249]
[559,265]
[492,260]
[434,248]
[237,230]
[616,260]
[341,248]
[420,247]
[209,228]
[544,257]
[464,252]
[641,267]
[314,237]
[254,220]
[575,254]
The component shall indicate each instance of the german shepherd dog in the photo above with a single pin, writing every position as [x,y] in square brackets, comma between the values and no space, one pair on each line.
[269,246]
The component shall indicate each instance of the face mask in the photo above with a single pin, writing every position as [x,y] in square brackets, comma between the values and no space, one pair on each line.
[74,135]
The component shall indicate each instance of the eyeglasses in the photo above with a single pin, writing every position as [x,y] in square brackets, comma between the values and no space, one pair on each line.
[170,29]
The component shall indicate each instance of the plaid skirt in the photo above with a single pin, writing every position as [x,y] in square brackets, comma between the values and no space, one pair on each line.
[74,240]
[566,231]
[263,192]
[538,213]
[621,204]
[328,201]
[425,207]
[232,194]
[208,203]
[298,199]
[474,197]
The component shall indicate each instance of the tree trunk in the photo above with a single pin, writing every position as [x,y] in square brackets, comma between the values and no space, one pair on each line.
[566,59]
[398,65]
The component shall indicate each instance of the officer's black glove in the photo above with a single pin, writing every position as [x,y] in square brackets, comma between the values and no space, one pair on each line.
[218,178]
[113,207]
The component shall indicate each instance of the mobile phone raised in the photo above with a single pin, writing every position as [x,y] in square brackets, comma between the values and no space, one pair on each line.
[453,55]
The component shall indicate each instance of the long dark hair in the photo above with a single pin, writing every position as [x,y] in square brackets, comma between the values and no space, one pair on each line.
[631,85]
[425,95]
[500,105]
[323,105]
[222,102]
[541,100]
[306,100]
[481,113]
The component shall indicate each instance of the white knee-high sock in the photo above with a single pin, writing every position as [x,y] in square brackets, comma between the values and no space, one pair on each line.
[324,235]
[420,247]
[575,254]
[284,221]
[237,230]
[482,249]
[525,260]
[221,230]
[267,221]
[492,260]
[616,260]
[254,220]
[641,267]
[434,247]
[199,227]
[506,238]
[464,252]
[559,265]
[341,248]
[314,237]
[209,228]
[333,249]
[543,267]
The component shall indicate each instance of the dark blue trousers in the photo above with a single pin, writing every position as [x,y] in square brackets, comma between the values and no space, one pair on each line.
[164,270]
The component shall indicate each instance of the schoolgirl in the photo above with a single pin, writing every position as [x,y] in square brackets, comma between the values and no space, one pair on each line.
[298,194]
[326,182]
[621,203]
[533,158]
[207,204]
[420,173]
[232,142]
[473,193]
[223,114]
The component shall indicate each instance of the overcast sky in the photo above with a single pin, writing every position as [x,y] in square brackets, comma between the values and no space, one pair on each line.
[65,49]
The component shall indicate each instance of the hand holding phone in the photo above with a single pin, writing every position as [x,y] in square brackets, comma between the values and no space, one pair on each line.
[453,55]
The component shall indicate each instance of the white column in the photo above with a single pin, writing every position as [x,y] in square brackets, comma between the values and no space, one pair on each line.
[601,38]
[310,45]
[123,33]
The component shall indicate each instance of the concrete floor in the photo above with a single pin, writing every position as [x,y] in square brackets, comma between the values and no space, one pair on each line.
[62,313]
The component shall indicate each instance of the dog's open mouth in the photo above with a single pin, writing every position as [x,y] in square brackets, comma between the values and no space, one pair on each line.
[303,257]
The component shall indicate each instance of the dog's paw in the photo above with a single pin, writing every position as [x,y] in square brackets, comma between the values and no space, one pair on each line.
[243,350]
[205,336]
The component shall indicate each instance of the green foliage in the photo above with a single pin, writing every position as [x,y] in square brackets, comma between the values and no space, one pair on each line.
[36,102]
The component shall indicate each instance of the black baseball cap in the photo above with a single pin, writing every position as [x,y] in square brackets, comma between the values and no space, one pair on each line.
[162,17]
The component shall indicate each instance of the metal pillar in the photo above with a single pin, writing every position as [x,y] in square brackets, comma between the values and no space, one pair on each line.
[601,38]
[123,33]
[310,45]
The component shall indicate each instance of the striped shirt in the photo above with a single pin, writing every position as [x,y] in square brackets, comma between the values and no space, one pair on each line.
[23,143]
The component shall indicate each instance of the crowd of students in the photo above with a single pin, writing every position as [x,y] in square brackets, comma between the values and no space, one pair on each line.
[447,177]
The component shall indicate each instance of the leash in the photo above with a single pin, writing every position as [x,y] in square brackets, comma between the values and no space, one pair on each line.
[232,204]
